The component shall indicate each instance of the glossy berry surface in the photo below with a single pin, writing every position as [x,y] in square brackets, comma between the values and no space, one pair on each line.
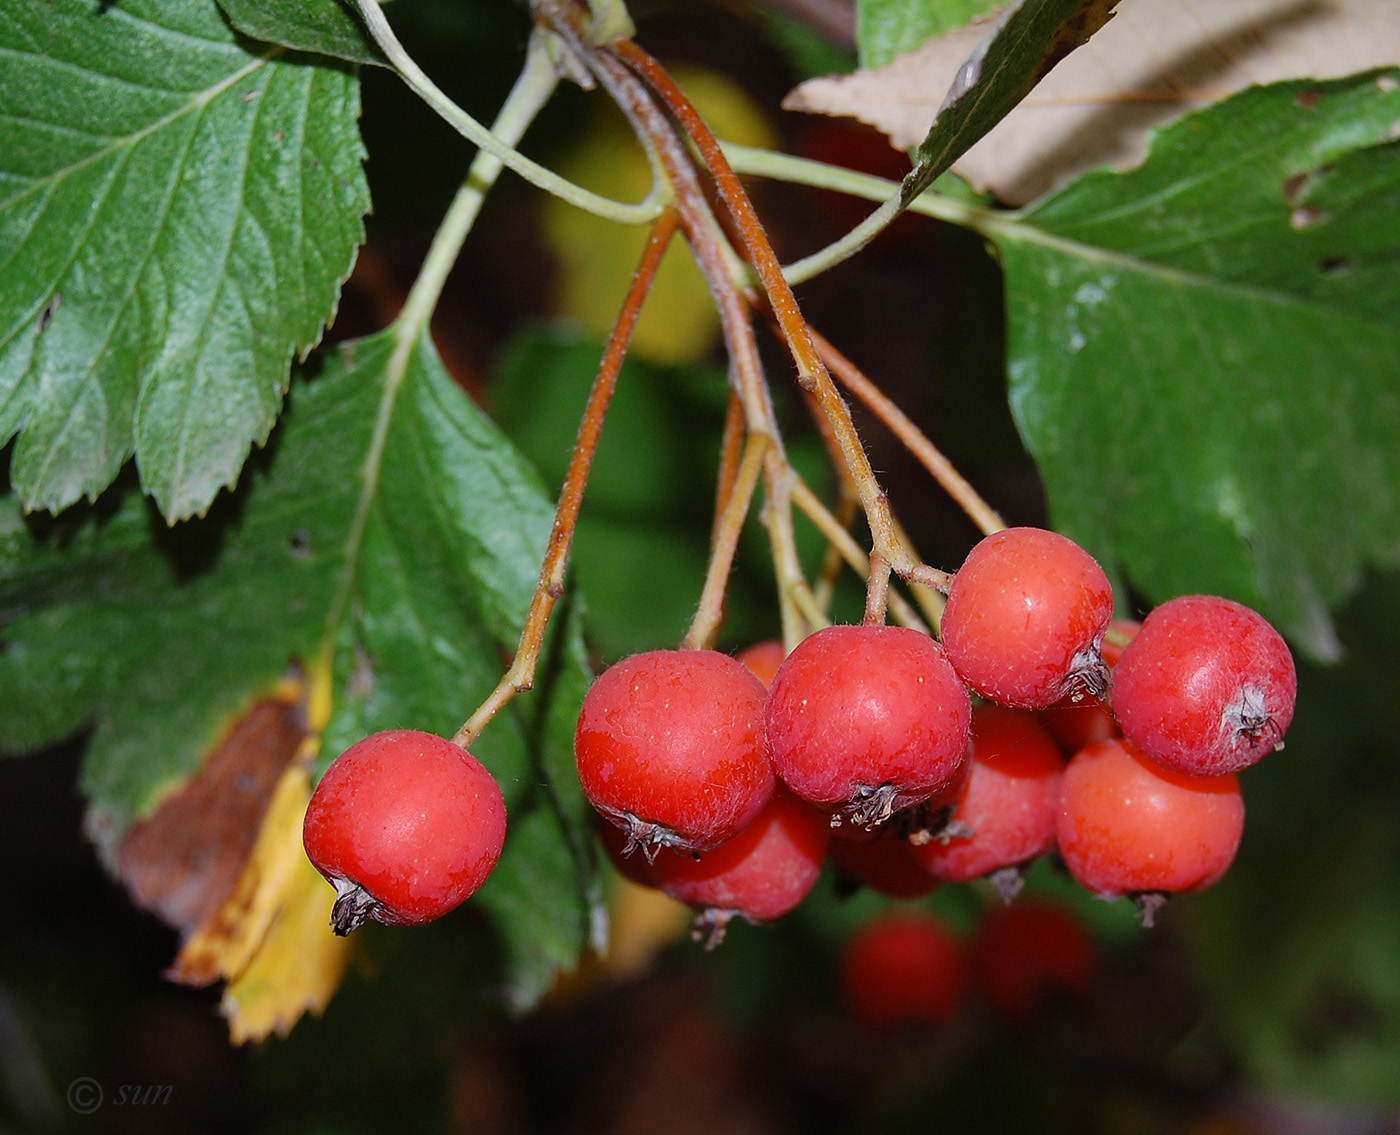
[1029,954]
[1009,805]
[1126,825]
[405,825]
[1025,619]
[867,720]
[1206,687]
[759,874]
[903,969]
[670,747]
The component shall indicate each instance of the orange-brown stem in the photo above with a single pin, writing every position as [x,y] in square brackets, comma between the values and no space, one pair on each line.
[911,437]
[811,371]
[521,674]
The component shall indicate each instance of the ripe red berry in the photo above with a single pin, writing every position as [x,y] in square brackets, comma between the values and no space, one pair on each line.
[1008,806]
[904,968]
[1028,953]
[867,720]
[763,658]
[405,825]
[670,747]
[1206,687]
[1127,826]
[1025,620]
[760,874]
[885,863]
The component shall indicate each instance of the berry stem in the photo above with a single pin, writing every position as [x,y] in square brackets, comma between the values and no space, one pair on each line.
[721,270]
[711,609]
[812,374]
[502,149]
[911,437]
[521,674]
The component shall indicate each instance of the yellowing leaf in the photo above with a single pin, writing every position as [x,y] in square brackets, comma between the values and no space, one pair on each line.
[1154,61]
[296,969]
[597,258]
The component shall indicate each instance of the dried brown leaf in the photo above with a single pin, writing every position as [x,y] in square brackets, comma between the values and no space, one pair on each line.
[1156,60]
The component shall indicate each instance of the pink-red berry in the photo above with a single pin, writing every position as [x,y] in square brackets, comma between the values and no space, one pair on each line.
[903,969]
[1206,687]
[867,720]
[405,825]
[1006,813]
[1025,619]
[670,747]
[1126,826]
[760,874]
[1029,953]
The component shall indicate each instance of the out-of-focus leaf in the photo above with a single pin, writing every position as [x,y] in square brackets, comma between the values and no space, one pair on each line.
[323,27]
[887,28]
[998,67]
[177,213]
[388,533]
[1203,352]
[597,258]
[1298,943]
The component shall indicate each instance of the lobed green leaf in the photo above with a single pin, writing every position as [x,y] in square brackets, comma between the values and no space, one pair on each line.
[1203,352]
[177,213]
[388,529]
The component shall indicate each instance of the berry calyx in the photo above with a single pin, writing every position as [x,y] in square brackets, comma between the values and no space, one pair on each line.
[1206,687]
[405,825]
[670,747]
[903,969]
[758,875]
[1127,826]
[867,720]
[1025,619]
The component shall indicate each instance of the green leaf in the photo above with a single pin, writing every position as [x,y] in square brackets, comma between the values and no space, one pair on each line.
[388,530]
[1203,352]
[177,214]
[1029,39]
[886,28]
[321,27]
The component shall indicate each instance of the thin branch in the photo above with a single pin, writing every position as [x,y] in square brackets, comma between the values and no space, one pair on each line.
[521,674]
[911,437]
[504,151]
[811,371]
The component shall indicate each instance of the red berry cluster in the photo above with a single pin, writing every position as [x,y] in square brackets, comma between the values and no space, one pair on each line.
[907,970]
[1114,745]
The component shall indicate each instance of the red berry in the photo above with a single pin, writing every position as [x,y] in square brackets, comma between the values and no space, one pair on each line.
[763,658]
[759,874]
[1025,620]
[867,720]
[904,968]
[1030,952]
[1009,804]
[1206,687]
[1127,826]
[405,825]
[886,864]
[670,747]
